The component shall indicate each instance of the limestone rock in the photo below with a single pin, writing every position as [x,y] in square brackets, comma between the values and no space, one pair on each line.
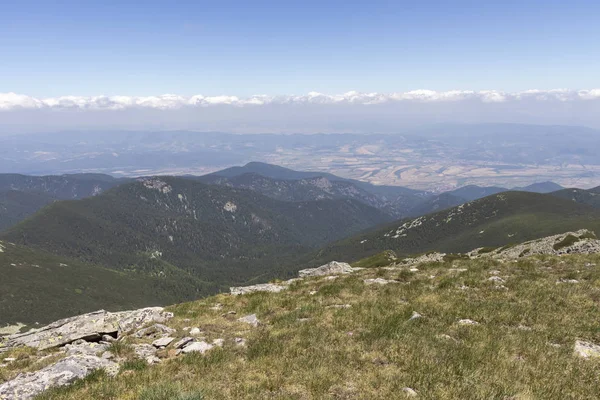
[195,331]
[155,331]
[89,327]
[263,287]
[409,392]
[28,385]
[415,315]
[86,348]
[378,281]
[182,342]
[586,349]
[332,268]
[163,342]
[250,319]
[200,347]
[467,322]
[144,350]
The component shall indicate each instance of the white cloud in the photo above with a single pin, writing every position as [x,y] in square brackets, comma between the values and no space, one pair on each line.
[13,101]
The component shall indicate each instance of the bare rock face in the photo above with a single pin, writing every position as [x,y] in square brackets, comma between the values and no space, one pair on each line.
[89,327]
[27,386]
[332,268]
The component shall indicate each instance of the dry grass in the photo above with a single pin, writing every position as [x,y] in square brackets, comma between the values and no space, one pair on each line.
[521,349]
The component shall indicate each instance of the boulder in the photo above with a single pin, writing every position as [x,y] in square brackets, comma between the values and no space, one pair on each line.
[182,342]
[144,350]
[200,347]
[586,349]
[163,342]
[263,287]
[90,327]
[156,330]
[332,268]
[27,386]
[250,319]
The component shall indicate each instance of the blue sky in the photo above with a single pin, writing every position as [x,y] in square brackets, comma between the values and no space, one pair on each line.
[57,48]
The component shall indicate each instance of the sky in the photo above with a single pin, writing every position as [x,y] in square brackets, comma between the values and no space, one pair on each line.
[229,52]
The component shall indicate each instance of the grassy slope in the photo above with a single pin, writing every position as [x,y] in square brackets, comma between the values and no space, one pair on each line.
[510,217]
[40,287]
[521,349]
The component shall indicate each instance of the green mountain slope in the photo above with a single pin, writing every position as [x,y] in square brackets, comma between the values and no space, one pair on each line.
[40,287]
[582,196]
[174,227]
[495,220]
[16,205]
[23,195]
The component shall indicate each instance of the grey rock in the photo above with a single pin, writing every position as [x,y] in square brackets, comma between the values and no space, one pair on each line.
[65,371]
[378,281]
[467,322]
[331,268]
[182,342]
[195,331]
[108,338]
[86,348]
[586,349]
[415,315]
[409,392]
[144,350]
[250,319]
[89,327]
[200,347]
[152,360]
[163,342]
[263,287]
[155,331]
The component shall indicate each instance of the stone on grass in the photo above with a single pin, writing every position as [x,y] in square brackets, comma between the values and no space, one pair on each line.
[331,268]
[415,315]
[250,319]
[163,342]
[586,349]
[409,392]
[144,350]
[195,331]
[182,342]
[156,330]
[199,347]
[377,281]
[28,385]
[263,287]
[467,322]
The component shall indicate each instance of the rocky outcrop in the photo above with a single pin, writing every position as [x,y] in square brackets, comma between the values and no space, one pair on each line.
[332,268]
[89,327]
[27,386]
[580,242]
[263,287]
[586,349]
